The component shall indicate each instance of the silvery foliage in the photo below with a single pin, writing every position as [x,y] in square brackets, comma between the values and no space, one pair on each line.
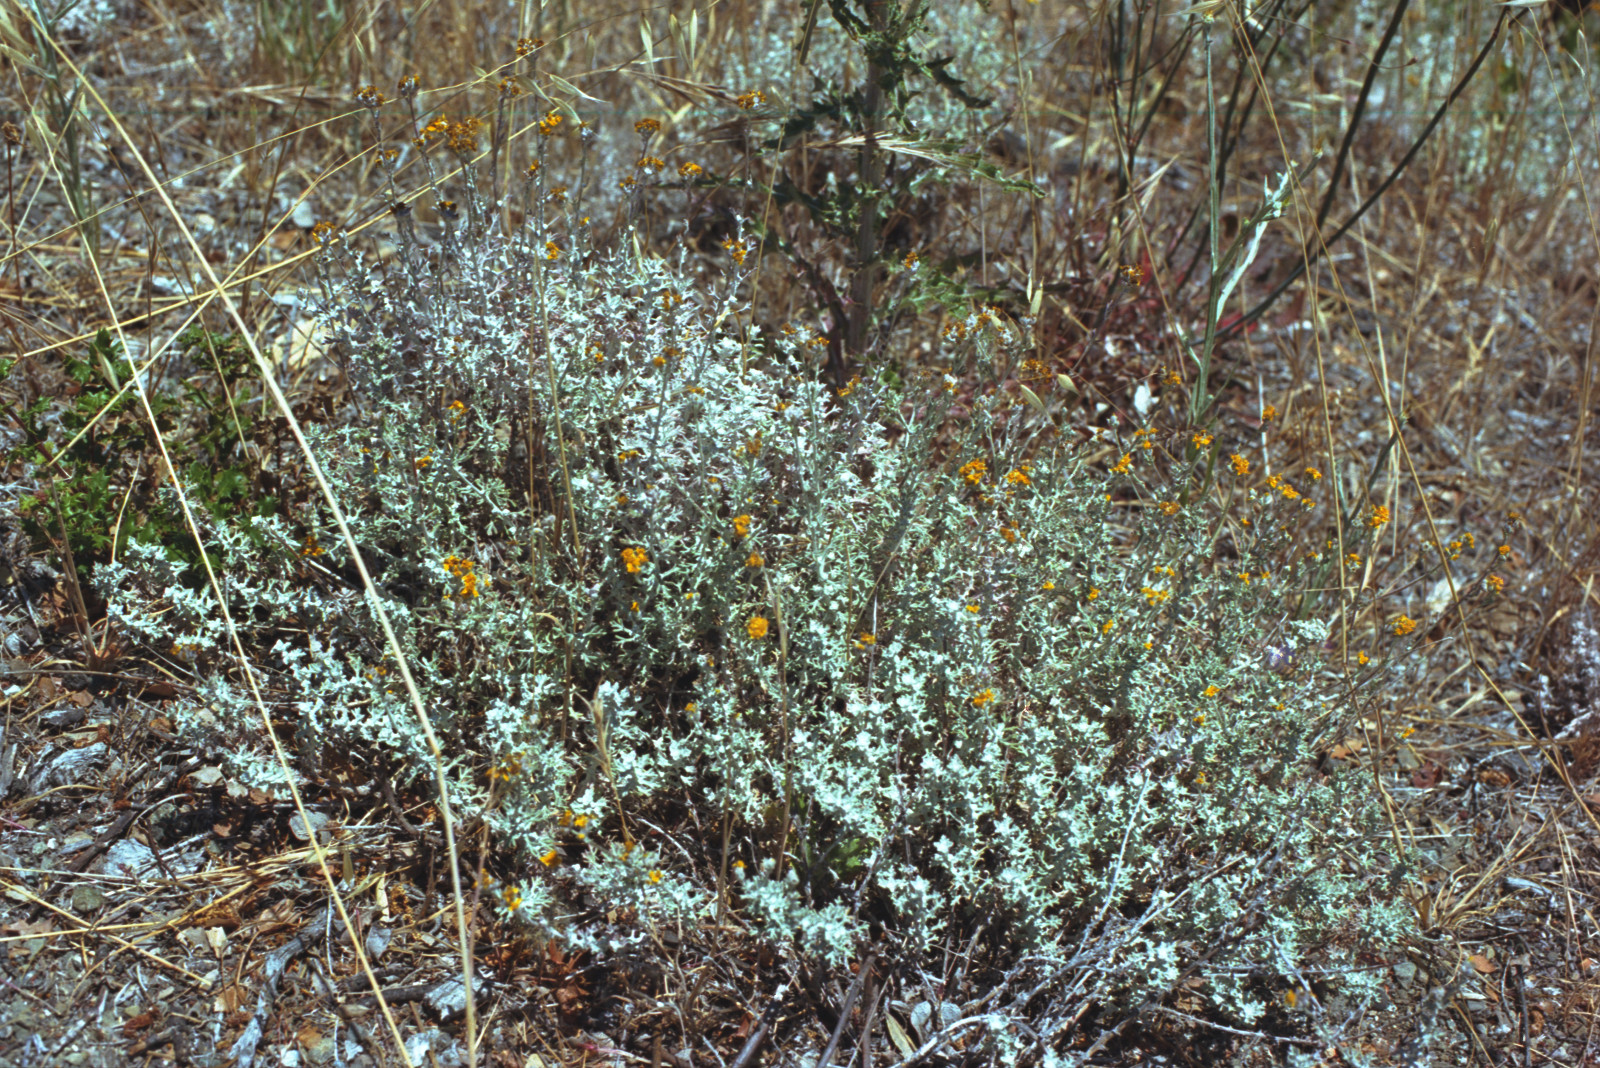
[979,712]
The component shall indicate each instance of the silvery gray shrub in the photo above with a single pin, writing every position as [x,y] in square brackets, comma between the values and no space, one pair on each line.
[643,567]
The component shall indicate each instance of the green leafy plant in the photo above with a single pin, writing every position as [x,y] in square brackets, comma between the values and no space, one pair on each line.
[100,446]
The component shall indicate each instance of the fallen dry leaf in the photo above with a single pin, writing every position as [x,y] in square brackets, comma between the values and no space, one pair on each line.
[1427,776]
[139,1023]
[1494,777]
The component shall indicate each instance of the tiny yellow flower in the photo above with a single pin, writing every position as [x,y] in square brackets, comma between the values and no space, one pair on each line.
[690,707]
[983,698]
[756,628]
[655,875]
[1048,585]
[974,609]
[1170,507]
[1108,626]
[550,859]
[1403,626]
[1377,516]
[754,560]
[1496,583]
[1504,551]
[635,558]
[741,526]
[1200,439]
[1241,466]
[1313,474]
[866,638]
[1212,691]
[1200,720]
[1362,658]
[1123,466]
[974,471]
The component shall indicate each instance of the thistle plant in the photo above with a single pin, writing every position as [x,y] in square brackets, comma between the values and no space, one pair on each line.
[915,658]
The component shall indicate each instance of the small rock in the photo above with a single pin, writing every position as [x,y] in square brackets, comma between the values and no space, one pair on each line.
[1406,972]
[378,939]
[206,777]
[128,859]
[297,826]
[66,767]
[418,1046]
[87,899]
[304,215]
[59,718]
[926,1023]
[322,1051]
[448,999]
[76,842]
